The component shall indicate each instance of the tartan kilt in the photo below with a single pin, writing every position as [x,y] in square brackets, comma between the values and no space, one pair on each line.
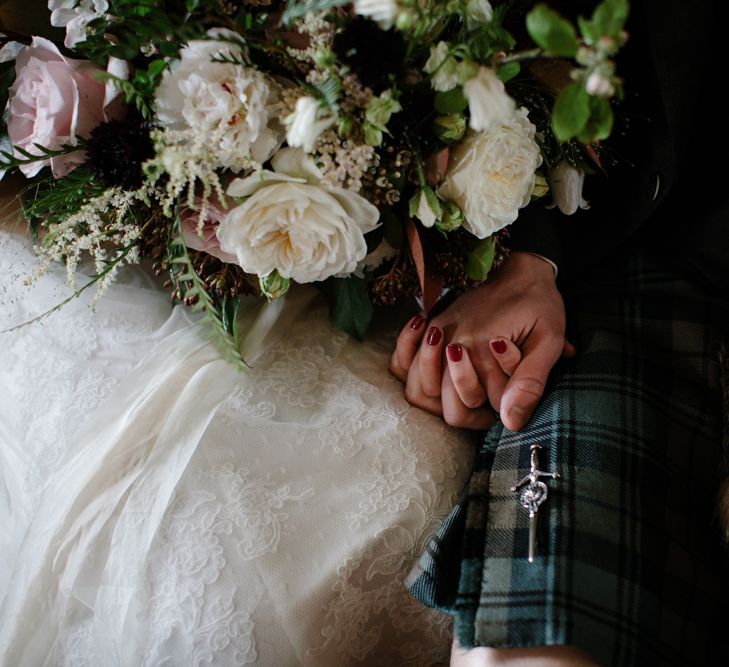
[629,565]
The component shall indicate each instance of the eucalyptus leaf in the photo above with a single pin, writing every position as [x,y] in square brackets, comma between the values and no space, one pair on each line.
[481,259]
[552,32]
[571,112]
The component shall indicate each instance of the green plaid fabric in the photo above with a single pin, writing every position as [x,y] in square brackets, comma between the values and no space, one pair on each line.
[628,563]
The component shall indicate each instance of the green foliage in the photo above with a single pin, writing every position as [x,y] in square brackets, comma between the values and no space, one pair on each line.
[220,317]
[327,92]
[608,20]
[553,33]
[481,259]
[132,25]
[10,160]
[451,101]
[571,112]
[490,38]
[600,121]
[350,308]
[51,201]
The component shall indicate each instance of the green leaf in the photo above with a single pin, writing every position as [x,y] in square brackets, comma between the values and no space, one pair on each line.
[508,71]
[600,122]
[451,101]
[350,308]
[481,259]
[571,111]
[609,18]
[550,31]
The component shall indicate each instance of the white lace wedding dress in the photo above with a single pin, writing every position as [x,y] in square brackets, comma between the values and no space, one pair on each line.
[159,507]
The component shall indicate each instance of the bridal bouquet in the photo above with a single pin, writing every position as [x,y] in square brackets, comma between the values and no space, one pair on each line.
[377,148]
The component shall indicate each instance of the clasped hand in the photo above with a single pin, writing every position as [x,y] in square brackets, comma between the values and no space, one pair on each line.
[490,351]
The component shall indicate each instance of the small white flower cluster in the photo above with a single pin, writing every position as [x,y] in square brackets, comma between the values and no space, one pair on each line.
[99,229]
[187,158]
[344,163]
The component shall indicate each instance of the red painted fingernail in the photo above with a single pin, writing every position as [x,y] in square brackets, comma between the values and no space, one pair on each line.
[417,322]
[434,336]
[455,351]
[498,346]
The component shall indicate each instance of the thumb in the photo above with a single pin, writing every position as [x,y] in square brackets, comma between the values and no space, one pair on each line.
[526,386]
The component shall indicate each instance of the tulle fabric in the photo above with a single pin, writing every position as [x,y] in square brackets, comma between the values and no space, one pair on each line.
[160,507]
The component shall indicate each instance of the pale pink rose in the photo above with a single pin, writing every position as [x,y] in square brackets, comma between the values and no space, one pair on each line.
[56,100]
[206,238]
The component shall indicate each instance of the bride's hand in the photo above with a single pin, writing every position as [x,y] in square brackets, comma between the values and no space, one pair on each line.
[460,399]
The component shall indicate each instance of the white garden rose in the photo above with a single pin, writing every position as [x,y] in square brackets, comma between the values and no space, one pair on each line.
[291,223]
[230,102]
[491,174]
[488,102]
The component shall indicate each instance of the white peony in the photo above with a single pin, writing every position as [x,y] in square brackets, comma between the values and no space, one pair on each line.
[382,12]
[293,224]
[230,102]
[303,126]
[565,182]
[75,15]
[491,174]
[488,102]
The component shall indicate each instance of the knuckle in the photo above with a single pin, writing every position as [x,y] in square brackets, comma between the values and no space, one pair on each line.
[531,386]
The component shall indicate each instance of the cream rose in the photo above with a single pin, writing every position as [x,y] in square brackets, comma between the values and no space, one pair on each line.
[55,100]
[209,96]
[491,174]
[291,223]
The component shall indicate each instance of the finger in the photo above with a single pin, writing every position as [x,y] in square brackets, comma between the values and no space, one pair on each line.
[457,414]
[526,386]
[464,377]
[395,369]
[430,355]
[506,353]
[408,341]
[414,392]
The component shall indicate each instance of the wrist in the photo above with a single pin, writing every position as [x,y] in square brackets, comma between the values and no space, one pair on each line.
[536,265]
